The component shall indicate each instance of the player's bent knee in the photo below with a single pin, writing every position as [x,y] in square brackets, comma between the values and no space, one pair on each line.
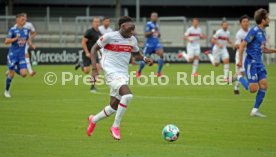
[264,86]
[127,97]
[23,74]
[190,60]
[86,70]
[253,88]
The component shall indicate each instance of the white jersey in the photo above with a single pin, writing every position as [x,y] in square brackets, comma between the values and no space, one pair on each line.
[104,30]
[222,37]
[29,26]
[193,34]
[117,52]
[240,36]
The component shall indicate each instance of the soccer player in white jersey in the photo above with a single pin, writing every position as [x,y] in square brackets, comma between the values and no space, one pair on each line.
[240,36]
[193,36]
[118,47]
[32,30]
[220,52]
[105,28]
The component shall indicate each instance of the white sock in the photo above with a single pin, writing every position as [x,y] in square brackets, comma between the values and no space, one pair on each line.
[29,66]
[237,85]
[211,57]
[195,65]
[106,112]
[254,110]
[121,109]
[185,56]
[226,70]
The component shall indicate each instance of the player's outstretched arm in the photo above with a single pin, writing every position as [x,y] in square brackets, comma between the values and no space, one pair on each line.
[203,36]
[215,41]
[31,44]
[241,50]
[84,46]
[94,51]
[268,50]
[32,35]
[11,40]
[148,34]
[140,57]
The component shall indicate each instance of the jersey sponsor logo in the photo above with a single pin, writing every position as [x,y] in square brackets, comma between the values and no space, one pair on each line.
[223,38]
[194,35]
[118,48]
[21,42]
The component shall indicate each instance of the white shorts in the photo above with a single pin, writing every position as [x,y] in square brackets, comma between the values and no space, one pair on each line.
[26,48]
[115,82]
[220,54]
[193,50]
[238,70]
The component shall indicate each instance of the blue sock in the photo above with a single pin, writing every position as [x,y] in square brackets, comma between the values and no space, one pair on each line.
[8,82]
[259,98]
[160,64]
[142,65]
[244,83]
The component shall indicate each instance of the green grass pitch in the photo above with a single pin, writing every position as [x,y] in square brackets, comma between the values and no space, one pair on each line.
[50,121]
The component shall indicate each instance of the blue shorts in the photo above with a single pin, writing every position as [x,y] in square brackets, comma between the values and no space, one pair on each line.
[15,60]
[254,72]
[149,49]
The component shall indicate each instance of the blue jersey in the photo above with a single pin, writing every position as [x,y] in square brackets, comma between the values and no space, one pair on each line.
[154,38]
[17,48]
[255,38]
[254,68]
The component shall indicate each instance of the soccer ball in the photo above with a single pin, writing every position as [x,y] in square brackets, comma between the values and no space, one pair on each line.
[170,133]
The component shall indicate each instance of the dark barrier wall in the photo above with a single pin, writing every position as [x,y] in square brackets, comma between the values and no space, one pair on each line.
[73,55]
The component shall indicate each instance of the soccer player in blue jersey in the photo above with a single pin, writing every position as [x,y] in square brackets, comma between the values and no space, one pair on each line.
[255,71]
[18,36]
[152,44]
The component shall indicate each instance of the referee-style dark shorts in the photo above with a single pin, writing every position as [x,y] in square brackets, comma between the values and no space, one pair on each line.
[87,61]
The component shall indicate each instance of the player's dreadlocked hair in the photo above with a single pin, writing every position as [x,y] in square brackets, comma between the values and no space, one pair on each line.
[124,19]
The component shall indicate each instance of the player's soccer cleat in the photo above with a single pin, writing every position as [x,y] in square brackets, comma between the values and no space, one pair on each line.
[32,73]
[180,55]
[236,92]
[207,52]
[91,125]
[77,66]
[7,94]
[93,89]
[159,74]
[138,74]
[115,132]
[257,114]
[226,80]
[195,74]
